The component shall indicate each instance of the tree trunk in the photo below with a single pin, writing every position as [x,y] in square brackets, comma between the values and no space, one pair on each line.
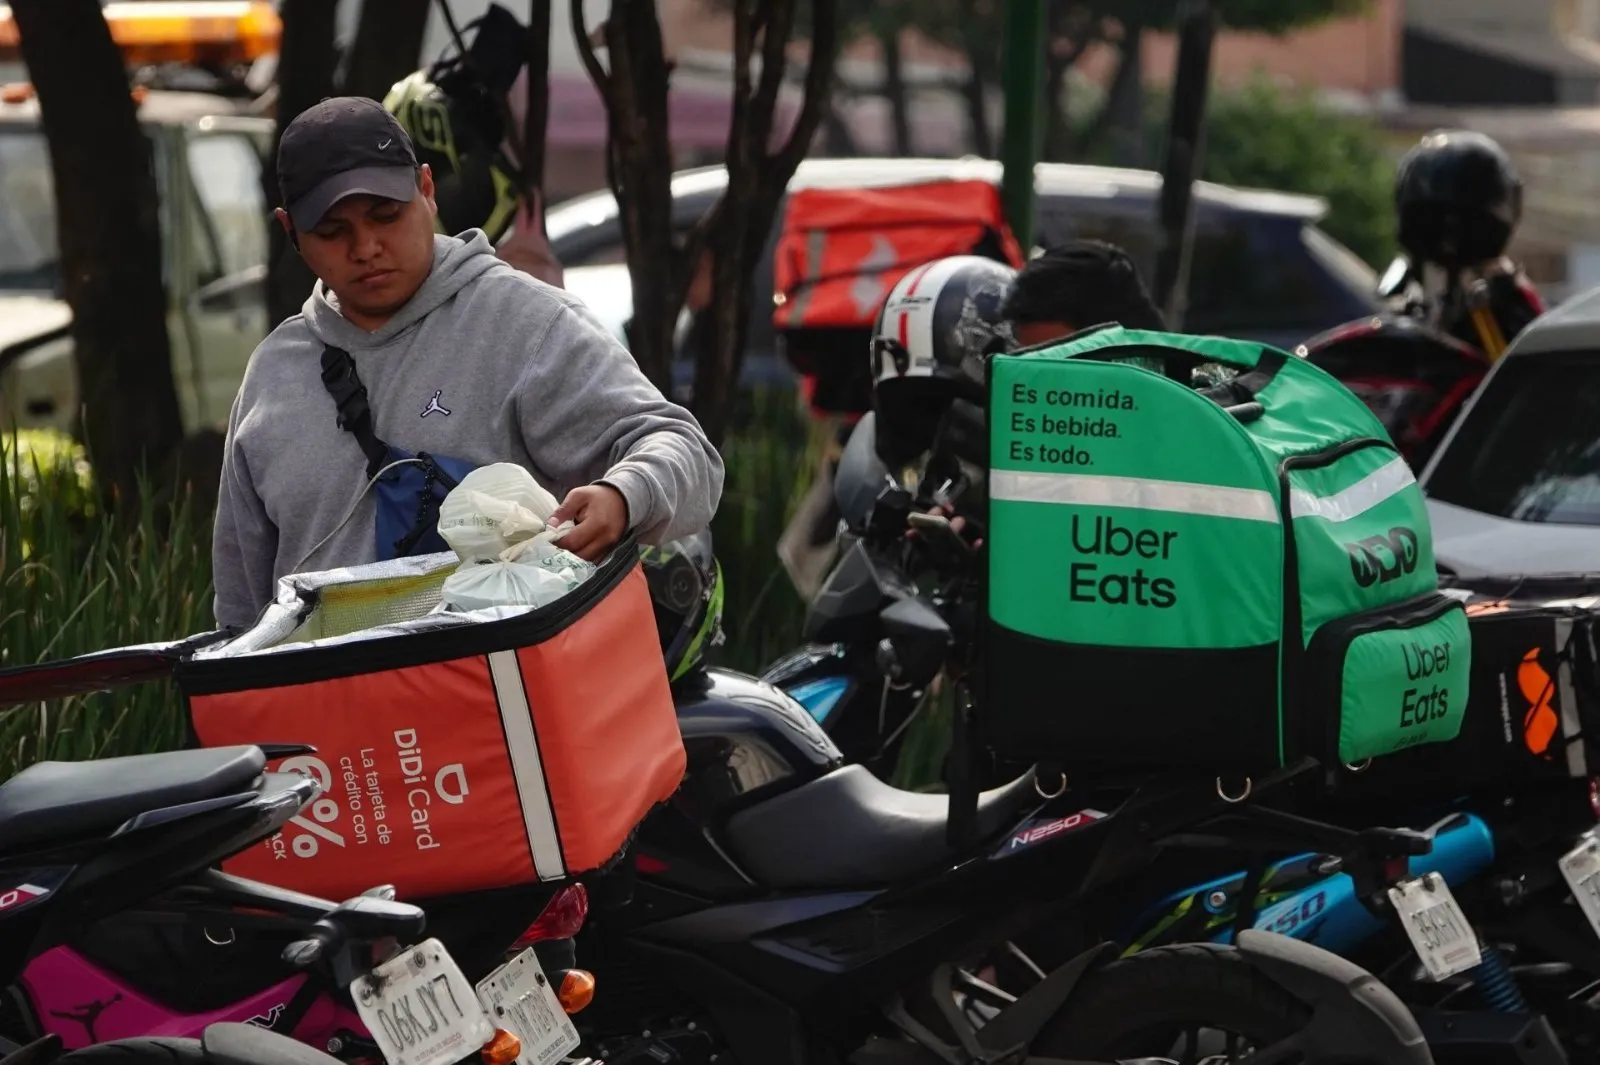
[305,75]
[388,45]
[109,235]
[757,179]
[894,91]
[638,168]
[1125,92]
[975,91]
[837,140]
[536,120]
[1058,125]
[1126,105]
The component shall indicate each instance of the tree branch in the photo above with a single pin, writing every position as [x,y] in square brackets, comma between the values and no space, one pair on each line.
[591,62]
[819,75]
[779,26]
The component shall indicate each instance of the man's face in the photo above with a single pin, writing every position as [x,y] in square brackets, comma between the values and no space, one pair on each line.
[372,252]
[1029,334]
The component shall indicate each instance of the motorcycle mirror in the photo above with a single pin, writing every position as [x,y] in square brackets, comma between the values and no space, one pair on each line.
[963,434]
[916,642]
[1395,278]
[861,474]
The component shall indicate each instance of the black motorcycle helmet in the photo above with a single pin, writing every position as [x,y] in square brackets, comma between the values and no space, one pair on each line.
[456,116]
[1458,198]
[686,591]
[939,324]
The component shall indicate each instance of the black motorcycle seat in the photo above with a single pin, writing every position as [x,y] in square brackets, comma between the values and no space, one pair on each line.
[63,801]
[851,830]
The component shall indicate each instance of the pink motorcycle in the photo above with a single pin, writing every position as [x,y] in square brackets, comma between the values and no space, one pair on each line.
[115,925]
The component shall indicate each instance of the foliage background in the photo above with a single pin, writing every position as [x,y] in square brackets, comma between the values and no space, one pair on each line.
[1269,137]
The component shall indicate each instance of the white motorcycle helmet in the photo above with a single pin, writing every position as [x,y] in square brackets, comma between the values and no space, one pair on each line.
[935,331]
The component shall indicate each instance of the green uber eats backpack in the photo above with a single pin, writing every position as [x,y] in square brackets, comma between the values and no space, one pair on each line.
[1227,580]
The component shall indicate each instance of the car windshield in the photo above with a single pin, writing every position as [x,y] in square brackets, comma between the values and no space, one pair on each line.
[28,256]
[1530,448]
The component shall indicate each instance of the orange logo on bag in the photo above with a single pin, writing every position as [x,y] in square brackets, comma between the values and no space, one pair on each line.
[1495,606]
[1539,724]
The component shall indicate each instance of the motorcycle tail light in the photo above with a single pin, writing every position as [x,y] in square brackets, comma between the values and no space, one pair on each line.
[563,916]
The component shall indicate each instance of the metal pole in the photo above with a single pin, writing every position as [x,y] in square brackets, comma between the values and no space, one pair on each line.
[1185,145]
[1024,95]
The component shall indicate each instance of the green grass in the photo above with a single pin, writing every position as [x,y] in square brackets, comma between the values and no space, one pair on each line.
[74,579]
[770,459]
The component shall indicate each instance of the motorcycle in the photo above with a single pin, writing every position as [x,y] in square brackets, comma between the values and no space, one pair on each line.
[117,927]
[1505,887]
[786,904]
[1414,377]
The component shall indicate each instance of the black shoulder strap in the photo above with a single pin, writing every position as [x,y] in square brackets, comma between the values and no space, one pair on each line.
[350,397]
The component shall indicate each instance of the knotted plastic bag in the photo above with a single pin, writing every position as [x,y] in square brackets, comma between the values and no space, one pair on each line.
[496,520]
[494,507]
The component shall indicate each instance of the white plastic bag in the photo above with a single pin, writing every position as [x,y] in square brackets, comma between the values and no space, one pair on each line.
[477,585]
[493,507]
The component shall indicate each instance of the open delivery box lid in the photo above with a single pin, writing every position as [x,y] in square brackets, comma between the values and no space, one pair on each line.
[439,731]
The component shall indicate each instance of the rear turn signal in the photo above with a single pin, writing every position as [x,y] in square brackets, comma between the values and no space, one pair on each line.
[576,990]
[502,1049]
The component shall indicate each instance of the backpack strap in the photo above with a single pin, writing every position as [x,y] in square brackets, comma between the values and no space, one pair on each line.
[350,398]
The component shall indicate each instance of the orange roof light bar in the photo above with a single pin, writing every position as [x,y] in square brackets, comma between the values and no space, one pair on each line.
[220,32]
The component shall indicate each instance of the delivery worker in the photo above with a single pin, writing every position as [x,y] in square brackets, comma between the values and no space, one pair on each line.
[1458,199]
[417,358]
[1074,286]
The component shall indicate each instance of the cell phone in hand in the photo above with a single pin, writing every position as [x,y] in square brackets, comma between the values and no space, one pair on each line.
[936,530]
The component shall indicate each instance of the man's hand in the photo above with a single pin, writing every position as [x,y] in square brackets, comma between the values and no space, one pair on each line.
[601,517]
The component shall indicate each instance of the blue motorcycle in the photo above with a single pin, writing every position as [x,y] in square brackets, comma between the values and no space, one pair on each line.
[1495,850]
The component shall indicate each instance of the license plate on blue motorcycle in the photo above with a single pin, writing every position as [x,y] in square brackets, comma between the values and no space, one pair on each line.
[521,999]
[1580,867]
[420,1009]
[1439,931]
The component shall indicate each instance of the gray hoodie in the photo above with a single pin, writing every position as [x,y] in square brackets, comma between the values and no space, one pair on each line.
[484,364]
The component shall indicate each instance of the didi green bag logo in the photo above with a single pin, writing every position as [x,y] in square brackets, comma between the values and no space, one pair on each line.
[1383,558]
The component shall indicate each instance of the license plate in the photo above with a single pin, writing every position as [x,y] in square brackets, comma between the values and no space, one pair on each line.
[519,998]
[1581,868]
[419,1008]
[1439,932]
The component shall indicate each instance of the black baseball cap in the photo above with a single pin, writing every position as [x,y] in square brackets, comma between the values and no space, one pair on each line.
[343,146]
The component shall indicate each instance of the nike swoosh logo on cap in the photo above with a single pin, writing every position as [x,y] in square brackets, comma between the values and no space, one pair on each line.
[385,144]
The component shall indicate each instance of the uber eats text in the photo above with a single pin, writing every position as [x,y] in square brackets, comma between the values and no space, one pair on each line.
[1425,700]
[1067,416]
[1111,582]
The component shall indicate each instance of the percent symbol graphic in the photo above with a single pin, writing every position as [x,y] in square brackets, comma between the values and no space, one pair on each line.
[308,843]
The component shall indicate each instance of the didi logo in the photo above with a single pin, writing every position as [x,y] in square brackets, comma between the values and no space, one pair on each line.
[1539,724]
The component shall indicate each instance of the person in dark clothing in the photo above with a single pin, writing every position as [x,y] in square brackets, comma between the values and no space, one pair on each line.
[1074,286]
[1458,198]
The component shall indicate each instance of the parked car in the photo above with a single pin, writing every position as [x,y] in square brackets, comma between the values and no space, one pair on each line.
[214,254]
[1261,270]
[1514,488]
